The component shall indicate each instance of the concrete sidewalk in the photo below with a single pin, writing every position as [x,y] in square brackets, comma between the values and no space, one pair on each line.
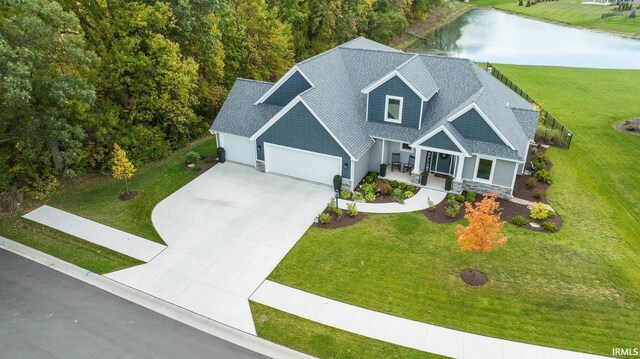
[400,331]
[416,203]
[115,239]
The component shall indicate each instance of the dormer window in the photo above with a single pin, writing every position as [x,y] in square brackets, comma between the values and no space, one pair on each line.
[393,109]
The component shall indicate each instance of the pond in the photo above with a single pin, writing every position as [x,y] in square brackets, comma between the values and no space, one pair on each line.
[494,36]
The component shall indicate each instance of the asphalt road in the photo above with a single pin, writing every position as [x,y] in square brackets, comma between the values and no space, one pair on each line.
[46,314]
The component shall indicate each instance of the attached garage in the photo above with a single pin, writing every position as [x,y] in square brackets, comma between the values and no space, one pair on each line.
[237,148]
[311,166]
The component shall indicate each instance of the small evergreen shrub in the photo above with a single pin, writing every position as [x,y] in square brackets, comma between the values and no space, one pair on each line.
[397,195]
[532,182]
[338,213]
[519,221]
[193,157]
[460,198]
[549,226]
[345,194]
[519,2]
[453,206]
[331,206]
[544,176]
[352,209]
[394,184]
[471,197]
[432,206]
[528,3]
[411,188]
[324,218]
[402,185]
[538,211]
[551,214]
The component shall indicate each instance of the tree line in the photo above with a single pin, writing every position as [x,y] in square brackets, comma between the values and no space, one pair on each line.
[79,76]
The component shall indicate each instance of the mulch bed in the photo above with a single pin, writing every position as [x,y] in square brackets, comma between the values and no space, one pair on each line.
[520,189]
[509,210]
[128,196]
[387,198]
[345,221]
[204,164]
[473,278]
[623,128]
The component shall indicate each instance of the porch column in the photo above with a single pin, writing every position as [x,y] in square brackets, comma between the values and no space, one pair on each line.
[382,153]
[459,164]
[418,161]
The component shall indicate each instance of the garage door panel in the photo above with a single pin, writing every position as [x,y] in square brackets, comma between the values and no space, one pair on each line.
[238,149]
[302,164]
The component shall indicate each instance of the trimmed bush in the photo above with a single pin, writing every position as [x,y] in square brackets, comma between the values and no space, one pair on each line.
[544,176]
[357,196]
[397,195]
[519,221]
[384,189]
[408,194]
[352,209]
[370,197]
[471,197]
[460,198]
[324,218]
[345,194]
[532,182]
[331,206]
[193,157]
[538,211]
[394,184]
[549,226]
[367,187]
[411,188]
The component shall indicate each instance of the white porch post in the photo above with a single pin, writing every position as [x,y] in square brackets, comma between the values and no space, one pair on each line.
[418,161]
[382,154]
[459,164]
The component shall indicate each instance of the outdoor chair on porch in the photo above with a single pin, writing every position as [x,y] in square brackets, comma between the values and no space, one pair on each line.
[395,161]
[409,165]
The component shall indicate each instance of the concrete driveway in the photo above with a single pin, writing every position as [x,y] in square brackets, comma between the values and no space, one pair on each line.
[226,231]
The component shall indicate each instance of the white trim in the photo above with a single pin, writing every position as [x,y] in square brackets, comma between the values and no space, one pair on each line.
[435,132]
[266,162]
[473,105]
[284,111]
[282,80]
[366,114]
[386,108]
[494,162]
[513,182]
[382,156]
[352,173]
[410,150]
[420,118]
[388,77]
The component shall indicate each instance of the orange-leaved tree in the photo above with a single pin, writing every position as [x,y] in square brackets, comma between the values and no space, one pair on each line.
[122,168]
[484,231]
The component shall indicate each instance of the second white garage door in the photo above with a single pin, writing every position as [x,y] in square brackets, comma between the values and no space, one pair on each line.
[307,165]
[238,149]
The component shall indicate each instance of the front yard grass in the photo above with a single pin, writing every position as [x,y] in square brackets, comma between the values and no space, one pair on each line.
[577,289]
[570,12]
[96,197]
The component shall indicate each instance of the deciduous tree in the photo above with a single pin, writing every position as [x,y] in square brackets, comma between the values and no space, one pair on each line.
[122,168]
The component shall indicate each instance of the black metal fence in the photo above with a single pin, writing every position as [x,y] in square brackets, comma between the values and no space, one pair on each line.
[553,132]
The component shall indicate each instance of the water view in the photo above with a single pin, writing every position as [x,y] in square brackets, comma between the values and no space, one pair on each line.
[495,36]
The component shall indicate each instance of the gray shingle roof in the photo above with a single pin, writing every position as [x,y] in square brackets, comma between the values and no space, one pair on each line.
[340,74]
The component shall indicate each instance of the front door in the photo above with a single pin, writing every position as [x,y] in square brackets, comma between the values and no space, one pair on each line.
[444,163]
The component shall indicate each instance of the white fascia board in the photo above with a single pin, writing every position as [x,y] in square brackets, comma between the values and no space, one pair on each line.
[326,128]
[435,132]
[282,80]
[475,106]
[389,76]
[276,117]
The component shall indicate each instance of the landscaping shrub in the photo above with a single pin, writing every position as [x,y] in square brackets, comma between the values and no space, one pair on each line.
[357,196]
[408,194]
[411,188]
[551,214]
[432,206]
[537,193]
[193,157]
[471,197]
[541,164]
[345,194]
[460,198]
[383,188]
[532,182]
[633,14]
[352,209]
[367,187]
[544,176]
[528,3]
[331,206]
[324,218]
[402,185]
[197,167]
[519,2]
[542,156]
[549,226]
[519,221]
[338,213]
[394,184]
[397,195]
[538,211]
[453,206]
[370,197]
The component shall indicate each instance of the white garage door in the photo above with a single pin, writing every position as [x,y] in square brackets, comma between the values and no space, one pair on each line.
[238,149]
[307,165]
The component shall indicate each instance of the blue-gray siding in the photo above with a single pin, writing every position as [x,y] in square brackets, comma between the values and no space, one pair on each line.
[299,129]
[289,90]
[441,141]
[410,105]
[472,126]
[503,175]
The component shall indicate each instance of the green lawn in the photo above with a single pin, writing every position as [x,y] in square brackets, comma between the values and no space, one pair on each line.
[96,197]
[578,289]
[570,12]
[322,341]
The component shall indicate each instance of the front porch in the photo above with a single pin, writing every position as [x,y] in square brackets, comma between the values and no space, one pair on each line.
[434,182]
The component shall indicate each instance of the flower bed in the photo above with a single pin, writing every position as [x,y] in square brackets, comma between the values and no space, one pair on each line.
[372,189]
[532,188]
[334,217]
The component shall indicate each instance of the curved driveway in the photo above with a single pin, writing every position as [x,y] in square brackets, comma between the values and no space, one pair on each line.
[226,231]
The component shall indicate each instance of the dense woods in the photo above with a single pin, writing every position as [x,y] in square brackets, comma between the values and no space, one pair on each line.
[79,76]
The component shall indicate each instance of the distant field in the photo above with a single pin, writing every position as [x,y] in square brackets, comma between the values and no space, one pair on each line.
[570,12]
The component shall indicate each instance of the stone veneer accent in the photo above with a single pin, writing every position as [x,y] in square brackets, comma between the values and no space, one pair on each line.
[482,188]
[260,166]
[456,187]
[346,183]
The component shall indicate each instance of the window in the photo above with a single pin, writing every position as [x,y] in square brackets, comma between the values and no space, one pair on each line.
[406,148]
[393,109]
[484,169]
